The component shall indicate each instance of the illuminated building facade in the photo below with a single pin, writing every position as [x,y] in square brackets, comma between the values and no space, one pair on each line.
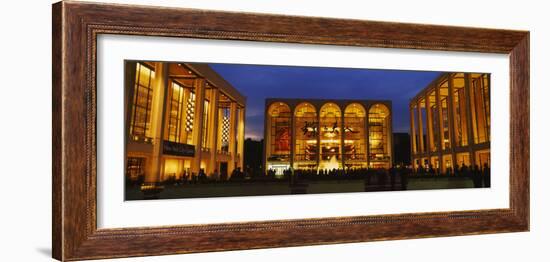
[181,118]
[315,134]
[450,122]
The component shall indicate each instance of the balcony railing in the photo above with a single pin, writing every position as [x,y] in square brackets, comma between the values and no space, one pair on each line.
[222,152]
[305,157]
[281,158]
[379,158]
[355,156]
[141,139]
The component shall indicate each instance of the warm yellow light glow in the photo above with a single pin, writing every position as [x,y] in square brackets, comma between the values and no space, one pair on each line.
[328,141]
[331,164]
[171,167]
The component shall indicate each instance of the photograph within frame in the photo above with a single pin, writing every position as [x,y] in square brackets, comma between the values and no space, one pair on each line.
[76,198]
[254,141]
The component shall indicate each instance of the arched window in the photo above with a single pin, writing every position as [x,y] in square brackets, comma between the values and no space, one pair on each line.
[330,132]
[306,128]
[279,132]
[354,135]
[379,142]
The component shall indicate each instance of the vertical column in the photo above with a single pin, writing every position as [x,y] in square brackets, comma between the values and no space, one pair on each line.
[367,132]
[183,123]
[469,123]
[240,137]
[197,123]
[212,140]
[420,127]
[413,137]
[232,127]
[292,139]
[451,110]
[390,135]
[158,107]
[342,139]
[267,139]
[167,108]
[429,124]
[318,138]
[440,128]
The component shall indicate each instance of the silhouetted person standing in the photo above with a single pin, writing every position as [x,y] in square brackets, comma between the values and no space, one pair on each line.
[464,170]
[486,175]
[477,177]
[404,173]
[393,174]
[202,176]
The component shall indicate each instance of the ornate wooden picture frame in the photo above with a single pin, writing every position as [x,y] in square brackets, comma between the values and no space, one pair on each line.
[76,26]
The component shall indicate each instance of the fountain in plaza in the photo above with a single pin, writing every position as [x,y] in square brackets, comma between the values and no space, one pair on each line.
[332,163]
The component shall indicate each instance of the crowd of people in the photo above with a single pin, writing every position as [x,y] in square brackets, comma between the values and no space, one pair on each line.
[481,177]
[394,176]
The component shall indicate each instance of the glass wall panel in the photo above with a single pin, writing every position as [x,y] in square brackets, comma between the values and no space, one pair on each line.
[434,164]
[279,132]
[483,158]
[190,118]
[445,114]
[447,164]
[354,133]
[379,116]
[206,117]
[480,107]
[460,113]
[331,136]
[135,168]
[173,169]
[435,139]
[463,158]
[174,112]
[307,132]
[140,121]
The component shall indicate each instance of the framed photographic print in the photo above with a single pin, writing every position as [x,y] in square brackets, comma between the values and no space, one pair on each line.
[182,130]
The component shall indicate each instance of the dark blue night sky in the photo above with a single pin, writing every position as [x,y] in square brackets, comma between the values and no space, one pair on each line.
[258,82]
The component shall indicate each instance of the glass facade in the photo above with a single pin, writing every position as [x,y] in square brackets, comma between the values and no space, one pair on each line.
[330,132]
[480,102]
[433,125]
[355,138]
[190,118]
[457,124]
[140,121]
[459,110]
[324,135]
[175,116]
[280,130]
[445,114]
[379,122]
[205,120]
[307,135]
[175,112]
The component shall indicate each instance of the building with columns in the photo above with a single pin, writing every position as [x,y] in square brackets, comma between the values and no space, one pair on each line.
[317,134]
[181,118]
[450,122]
